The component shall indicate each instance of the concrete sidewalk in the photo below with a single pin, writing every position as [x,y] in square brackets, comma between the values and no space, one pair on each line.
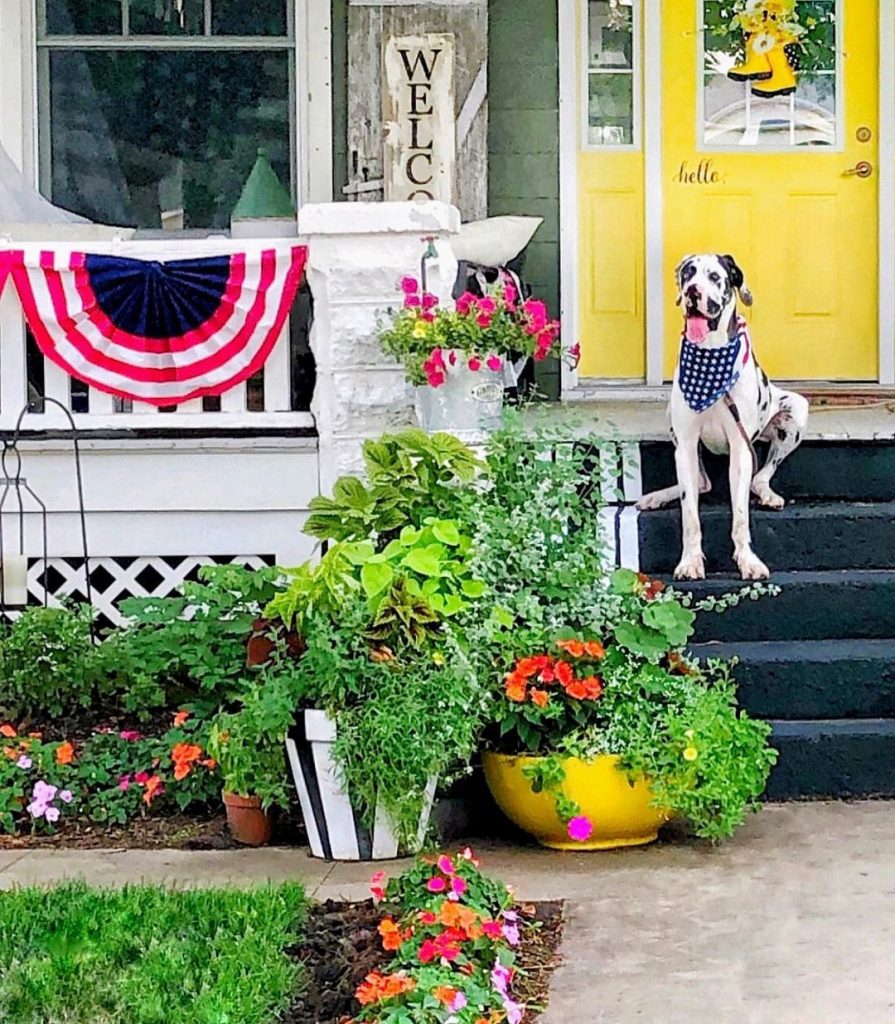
[792,922]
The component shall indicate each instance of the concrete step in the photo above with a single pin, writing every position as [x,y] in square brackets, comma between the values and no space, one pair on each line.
[810,606]
[827,535]
[826,470]
[833,758]
[812,679]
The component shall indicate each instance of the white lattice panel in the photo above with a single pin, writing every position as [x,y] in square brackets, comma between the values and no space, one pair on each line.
[113,579]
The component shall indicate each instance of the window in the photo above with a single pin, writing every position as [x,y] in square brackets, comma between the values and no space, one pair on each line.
[152,111]
[612,66]
[770,74]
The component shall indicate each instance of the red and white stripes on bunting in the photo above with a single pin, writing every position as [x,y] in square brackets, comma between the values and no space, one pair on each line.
[156,331]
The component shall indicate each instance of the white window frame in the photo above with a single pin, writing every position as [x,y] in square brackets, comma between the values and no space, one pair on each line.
[636,73]
[310,110]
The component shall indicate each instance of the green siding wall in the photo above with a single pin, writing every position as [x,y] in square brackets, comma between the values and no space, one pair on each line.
[340,96]
[523,140]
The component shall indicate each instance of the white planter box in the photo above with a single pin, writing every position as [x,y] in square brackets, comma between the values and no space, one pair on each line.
[335,831]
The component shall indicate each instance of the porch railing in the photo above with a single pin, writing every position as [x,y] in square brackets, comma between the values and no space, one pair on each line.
[26,376]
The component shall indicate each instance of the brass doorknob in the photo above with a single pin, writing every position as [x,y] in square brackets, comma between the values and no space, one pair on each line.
[862,169]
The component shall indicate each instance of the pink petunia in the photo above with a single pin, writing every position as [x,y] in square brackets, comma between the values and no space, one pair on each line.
[465,303]
[475,364]
[580,829]
[536,311]
[436,884]
[494,363]
[412,301]
[487,305]
[483,320]
[509,294]
[409,285]
[430,301]
[445,865]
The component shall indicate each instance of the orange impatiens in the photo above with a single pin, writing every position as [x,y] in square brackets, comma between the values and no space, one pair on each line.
[65,753]
[377,987]
[532,677]
[8,731]
[183,755]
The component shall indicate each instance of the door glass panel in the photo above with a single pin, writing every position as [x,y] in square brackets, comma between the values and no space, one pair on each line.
[612,73]
[770,73]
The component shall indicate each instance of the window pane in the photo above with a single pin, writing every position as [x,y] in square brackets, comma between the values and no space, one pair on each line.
[610,37]
[83,17]
[167,17]
[770,80]
[238,18]
[164,138]
[610,120]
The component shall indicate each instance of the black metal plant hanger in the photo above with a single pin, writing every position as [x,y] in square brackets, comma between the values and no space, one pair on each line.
[18,484]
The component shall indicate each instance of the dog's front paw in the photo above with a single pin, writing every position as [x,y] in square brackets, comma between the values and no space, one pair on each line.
[752,567]
[691,567]
[769,499]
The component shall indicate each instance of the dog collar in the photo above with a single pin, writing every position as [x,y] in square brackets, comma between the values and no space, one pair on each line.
[707,374]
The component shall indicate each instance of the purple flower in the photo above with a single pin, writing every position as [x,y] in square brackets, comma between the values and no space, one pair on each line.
[511,934]
[51,813]
[24,762]
[500,979]
[66,797]
[580,829]
[124,783]
[41,805]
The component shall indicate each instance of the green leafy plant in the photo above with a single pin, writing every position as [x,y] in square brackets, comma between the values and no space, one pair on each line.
[412,476]
[47,664]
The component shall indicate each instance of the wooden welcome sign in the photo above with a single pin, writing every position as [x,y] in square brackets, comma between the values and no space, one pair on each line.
[418,117]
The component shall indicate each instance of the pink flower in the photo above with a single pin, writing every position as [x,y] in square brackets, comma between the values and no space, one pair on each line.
[458,886]
[124,783]
[430,301]
[465,303]
[24,762]
[428,317]
[509,294]
[511,934]
[458,1002]
[483,320]
[452,358]
[494,363]
[130,735]
[141,778]
[467,854]
[487,305]
[434,368]
[377,885]
[445,865]
[580,829]
[536,311]
[51,814]
[574,353]
[493,929]
[409,285]
[66,796]
[475,364]
[411,301]
[436,884]
[500,979]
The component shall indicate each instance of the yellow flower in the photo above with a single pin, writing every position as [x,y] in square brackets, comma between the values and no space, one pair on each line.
[690,754]
[438,658]
[420,329]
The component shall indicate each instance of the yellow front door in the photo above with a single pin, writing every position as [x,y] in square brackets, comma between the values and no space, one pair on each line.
[768,152]
[776,179]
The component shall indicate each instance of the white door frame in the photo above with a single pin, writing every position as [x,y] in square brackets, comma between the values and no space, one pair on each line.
[312,106]
[570,98]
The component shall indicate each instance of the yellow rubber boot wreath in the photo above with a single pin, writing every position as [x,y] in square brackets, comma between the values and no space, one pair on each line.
[783,80]
[755,67]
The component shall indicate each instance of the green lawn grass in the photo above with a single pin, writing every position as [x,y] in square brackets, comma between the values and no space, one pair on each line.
[146,955]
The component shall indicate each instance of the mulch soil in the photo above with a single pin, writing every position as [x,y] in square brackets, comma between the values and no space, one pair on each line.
[341,947]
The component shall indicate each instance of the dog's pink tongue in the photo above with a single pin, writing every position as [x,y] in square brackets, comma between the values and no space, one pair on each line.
[697,329]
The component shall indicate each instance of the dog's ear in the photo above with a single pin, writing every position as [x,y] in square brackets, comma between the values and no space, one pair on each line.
[677,277]
[735,275]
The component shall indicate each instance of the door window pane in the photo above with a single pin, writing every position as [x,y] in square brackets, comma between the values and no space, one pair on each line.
[83,17]
[167,17]
[769,73]
[164,138]
[238,18]
[611,73]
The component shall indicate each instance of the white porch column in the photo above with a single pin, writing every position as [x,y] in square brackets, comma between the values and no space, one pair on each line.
[358,253]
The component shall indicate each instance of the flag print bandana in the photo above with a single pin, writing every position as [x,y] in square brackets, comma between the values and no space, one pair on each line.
[707,374]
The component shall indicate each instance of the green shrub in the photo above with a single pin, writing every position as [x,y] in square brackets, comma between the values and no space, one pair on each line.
[47,664]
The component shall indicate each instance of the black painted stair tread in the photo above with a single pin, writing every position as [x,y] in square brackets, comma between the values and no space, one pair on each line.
[823,535]
[817,679]
[848,470]
[810,606]
[836,757]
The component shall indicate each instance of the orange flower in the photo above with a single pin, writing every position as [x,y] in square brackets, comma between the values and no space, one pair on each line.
[573,647]
[8,731]
[153,788]
[183,754]
[564,673]
[594,649]
[391,934]
[180,718]
[577,689]
[377,987]
[209,763]
[540,697]
[454,915]
[527,667]
[65,753]
[594,687]
[11,753]
[445,995]
[515,687]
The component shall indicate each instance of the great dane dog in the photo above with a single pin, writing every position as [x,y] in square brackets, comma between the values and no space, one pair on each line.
[722,398]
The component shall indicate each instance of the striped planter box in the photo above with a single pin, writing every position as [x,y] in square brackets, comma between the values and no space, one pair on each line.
[335,831]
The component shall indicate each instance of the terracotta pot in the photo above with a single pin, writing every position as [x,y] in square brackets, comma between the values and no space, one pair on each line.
[249,823]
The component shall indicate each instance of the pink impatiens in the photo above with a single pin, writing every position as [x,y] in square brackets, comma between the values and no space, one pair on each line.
[580,829]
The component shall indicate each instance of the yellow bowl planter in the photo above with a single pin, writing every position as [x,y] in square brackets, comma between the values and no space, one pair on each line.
[621,813]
